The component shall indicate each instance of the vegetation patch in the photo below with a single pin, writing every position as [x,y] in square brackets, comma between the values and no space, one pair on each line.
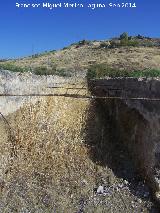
[124,40]
[12,67]
[37,55]
[41,70]
[102,70]
[47,71]
[145,73]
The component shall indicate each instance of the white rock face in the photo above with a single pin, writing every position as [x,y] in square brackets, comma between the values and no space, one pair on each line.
[19,84]
[27,83]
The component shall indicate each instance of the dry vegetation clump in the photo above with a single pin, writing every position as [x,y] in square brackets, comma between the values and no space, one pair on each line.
[49,168]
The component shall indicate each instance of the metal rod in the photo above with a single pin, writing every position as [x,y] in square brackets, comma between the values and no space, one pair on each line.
[80,96]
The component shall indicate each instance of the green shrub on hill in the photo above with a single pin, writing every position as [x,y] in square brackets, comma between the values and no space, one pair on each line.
[124,40]
[124,36]
[148,73]
[42,71]
[12,67]
[46,71]
[63,73]
[130,43]
[123,43]
[101,70]
[83,42]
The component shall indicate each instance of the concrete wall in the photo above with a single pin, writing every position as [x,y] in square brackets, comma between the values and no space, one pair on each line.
[136,122]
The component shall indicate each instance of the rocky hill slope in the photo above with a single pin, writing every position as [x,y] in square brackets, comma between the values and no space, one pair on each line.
[138,53]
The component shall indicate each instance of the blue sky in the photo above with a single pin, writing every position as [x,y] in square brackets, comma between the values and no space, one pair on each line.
[25,30]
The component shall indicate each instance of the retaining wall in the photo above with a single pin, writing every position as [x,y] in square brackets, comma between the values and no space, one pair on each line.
[133,109]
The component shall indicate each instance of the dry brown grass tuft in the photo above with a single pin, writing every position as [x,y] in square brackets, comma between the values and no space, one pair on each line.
[49,166]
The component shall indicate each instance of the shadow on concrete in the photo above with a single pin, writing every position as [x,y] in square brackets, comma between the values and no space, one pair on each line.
[107,150]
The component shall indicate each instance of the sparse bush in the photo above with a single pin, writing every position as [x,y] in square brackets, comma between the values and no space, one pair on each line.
[130,37]
[35,55]
[140,36]
[124,36]
[12,67]
[104,45]
[102,70]
[83,42]
[115,43]
[52,51]
[63,73]
[148,73]
[3,60]
[65,48]
[147,43]
[123,43]
[131,43]
[46,71]
[43,71]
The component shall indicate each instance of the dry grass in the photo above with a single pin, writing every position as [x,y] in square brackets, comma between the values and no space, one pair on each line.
[45,145]
[48,168]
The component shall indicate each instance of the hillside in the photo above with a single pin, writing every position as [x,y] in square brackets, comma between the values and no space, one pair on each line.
[137,53]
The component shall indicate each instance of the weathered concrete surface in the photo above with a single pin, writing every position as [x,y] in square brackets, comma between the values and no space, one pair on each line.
[135,122]
[16,89]
[27,83]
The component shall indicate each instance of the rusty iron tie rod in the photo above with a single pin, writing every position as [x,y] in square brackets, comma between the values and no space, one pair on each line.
[80,96]
[79,88]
